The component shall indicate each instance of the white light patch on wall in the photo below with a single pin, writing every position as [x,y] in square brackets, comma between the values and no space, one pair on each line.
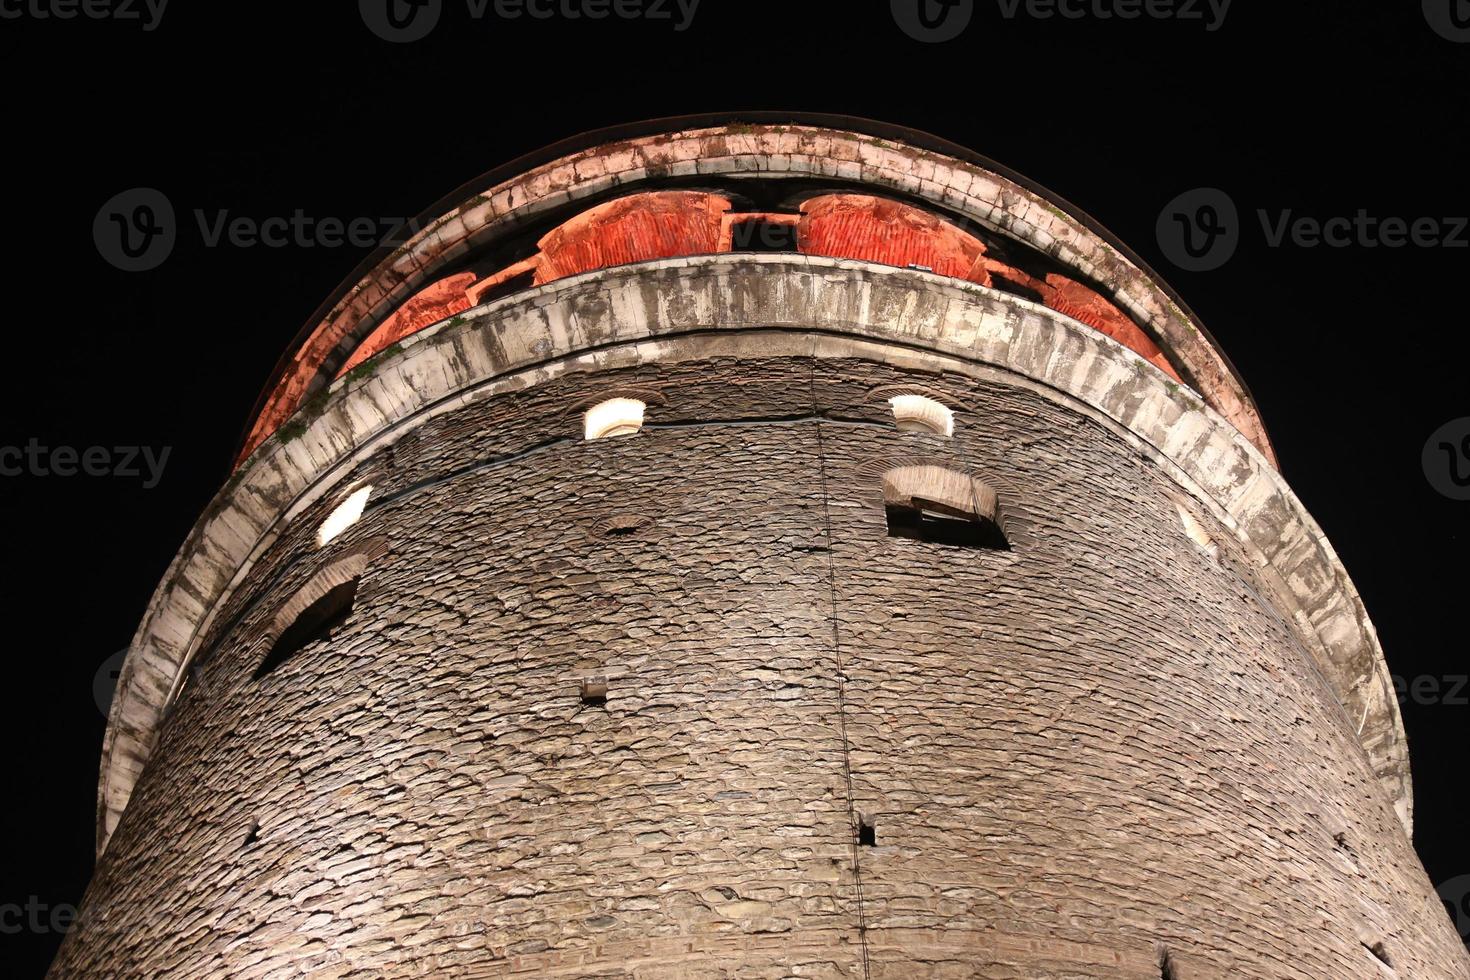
[917,413]
[346,515]
[614,417]
[1196,531]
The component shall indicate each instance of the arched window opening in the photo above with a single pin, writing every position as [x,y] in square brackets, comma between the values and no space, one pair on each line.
[320,620]
[614,417]
[916,413]
[942,506]
[321,606]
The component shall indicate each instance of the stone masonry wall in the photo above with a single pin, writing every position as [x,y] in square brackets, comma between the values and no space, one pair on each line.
[1096,746]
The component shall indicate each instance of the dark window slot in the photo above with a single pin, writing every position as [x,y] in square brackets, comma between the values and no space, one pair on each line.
[1014,288]
[1379,952]
[514,284]
[937,524]
[762,236]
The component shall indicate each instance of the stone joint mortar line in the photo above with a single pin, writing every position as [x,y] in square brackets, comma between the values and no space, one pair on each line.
[857,873]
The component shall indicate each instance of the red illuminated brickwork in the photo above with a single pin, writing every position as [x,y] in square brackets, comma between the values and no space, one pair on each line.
[667,224]
[873,229]
[640,228]
[438,302]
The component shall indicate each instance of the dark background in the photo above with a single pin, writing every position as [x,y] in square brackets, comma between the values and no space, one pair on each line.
[1355,355]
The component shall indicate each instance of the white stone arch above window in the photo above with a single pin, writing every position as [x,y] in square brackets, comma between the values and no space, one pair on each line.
[927,486]
[920,413]
[614,417]
[327,578]
[344,515]
[1194,529]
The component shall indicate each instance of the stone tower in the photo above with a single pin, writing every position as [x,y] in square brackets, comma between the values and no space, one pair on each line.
[793,548]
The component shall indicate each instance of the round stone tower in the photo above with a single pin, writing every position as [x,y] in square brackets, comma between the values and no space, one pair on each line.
[785,548]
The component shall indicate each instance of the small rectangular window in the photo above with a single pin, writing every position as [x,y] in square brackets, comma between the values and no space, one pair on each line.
[938,524]
[594,691]
[1380,953]
[925,502]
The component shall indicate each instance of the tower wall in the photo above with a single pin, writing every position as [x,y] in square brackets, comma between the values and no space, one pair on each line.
[1155,729]
[1097,744]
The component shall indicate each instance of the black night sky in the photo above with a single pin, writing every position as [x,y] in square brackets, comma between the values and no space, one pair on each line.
[1356,354]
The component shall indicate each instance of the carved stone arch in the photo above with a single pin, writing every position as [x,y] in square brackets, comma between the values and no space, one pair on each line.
[930,501]
[951,491]
[345,567]
[348,567]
